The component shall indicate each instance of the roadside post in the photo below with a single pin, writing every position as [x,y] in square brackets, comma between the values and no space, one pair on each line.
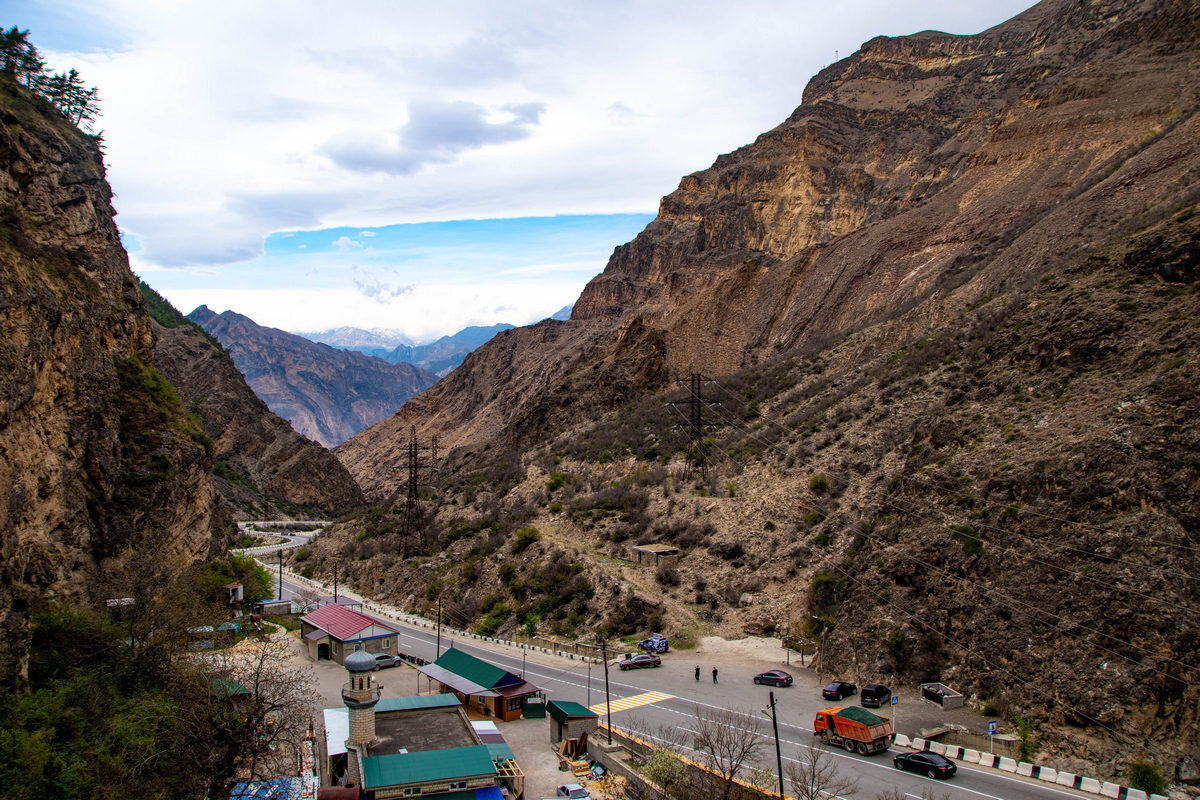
[991,733]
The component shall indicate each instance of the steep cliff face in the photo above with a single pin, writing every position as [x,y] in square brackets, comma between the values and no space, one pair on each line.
[260,460]
[911,166]
[97,454]
[327,394]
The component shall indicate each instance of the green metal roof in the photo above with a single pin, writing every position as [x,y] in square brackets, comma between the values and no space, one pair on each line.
[417,702]
[562,710]
[860,715]
[499,751]
[401,769]
[471,668]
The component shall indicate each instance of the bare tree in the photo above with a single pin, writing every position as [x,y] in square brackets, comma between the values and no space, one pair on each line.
[724,741]
[307,599]
[814,776]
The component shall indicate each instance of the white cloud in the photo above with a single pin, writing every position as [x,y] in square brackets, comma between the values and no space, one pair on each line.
[345,243]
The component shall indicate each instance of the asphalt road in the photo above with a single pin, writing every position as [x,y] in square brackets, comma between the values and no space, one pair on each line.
[669,698]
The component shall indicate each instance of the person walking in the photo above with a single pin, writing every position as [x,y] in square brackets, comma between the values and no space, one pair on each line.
[697,672]
[714,674]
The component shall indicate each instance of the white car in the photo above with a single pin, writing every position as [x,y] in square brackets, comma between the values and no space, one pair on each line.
[572,790]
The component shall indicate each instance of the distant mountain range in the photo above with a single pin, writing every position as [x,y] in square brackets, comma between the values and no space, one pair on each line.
[326,393]
[438,357]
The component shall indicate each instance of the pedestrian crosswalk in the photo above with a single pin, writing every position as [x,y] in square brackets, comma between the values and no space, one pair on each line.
[626,703]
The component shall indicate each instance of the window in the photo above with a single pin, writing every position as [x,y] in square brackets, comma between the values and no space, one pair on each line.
[457,785]
[387,644]
[514,703]
[412,791]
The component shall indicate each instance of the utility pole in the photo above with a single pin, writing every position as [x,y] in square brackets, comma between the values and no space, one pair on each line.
[335,602]
[415,463]
[607,693]
[439,630]
[281,573]
[778,754]
[821,654]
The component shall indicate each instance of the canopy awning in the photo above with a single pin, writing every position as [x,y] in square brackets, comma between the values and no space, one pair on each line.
[456,682]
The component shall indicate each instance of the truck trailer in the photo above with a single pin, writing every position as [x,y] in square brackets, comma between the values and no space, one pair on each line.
[853,728]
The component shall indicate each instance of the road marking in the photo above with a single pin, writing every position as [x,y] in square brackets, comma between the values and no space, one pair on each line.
[626,703]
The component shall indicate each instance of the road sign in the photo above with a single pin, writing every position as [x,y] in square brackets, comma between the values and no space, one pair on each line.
[895,700]
[553,640]
[991,727]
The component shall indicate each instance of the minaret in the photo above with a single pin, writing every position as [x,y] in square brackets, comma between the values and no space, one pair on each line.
[360,694]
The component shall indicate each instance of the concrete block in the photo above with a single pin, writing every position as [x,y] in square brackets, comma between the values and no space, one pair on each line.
[902,740]
[937,747]
[1090,785]
[1008,764]
[971,756]
[1048,774]
[1024,768]
[1066,779]
[1136,794]
[1109,789]
[918,743]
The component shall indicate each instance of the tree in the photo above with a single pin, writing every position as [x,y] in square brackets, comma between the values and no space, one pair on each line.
[307,599]
[814,776]
[724,741]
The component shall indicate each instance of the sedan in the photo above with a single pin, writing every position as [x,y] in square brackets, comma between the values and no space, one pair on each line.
[776,677]
[641,660]
[931,764]
[839,689]
[383,660]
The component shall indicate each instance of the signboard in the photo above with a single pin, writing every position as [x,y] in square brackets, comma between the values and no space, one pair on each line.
[553,640]
[991,727]
[895,700]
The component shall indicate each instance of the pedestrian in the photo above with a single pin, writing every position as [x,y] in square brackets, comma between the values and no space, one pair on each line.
[697,672]
[714,674]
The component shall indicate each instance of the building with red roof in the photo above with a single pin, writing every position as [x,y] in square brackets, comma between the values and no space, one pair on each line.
[333,631]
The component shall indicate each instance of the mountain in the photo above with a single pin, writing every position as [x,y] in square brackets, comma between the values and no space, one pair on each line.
[348,338]
[563,313]
[263,468]
[327,394]
[104,471]
[944,414]
[438,357]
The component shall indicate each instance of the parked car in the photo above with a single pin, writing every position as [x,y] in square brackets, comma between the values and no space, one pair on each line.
[839,689]
[875,695]
[655,643]
[776,677]
[640,661]
[383,660]
[572,790]
[931,764]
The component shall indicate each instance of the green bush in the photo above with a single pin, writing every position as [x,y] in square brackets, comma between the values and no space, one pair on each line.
[819,483]
[1147,777]
[525,537]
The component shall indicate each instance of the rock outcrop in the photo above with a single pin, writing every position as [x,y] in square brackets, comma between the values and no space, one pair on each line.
[264,468]
[98,457]
[327,394]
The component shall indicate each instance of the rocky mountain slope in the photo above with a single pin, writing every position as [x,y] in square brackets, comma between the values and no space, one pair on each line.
[263,467]
[327,394]
[98,457]
[954,301]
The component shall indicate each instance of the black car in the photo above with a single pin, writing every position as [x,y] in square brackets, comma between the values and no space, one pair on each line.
[927,763]
[839,689]
[776,677]
[640,660]
[875,695]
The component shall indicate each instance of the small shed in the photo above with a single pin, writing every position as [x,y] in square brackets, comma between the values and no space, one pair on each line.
[481,686]
[661,553]
[570,720]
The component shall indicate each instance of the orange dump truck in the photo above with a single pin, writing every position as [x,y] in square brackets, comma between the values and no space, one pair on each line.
[853,728]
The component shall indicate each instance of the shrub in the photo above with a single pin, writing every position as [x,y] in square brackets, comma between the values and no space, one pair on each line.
[820,483]
[1147,777]
[525,537]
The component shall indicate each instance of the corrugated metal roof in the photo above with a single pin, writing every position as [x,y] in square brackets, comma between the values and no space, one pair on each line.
[563,710]
[421,701]
[431,765]
[473,669]
[455,681]
[342,623]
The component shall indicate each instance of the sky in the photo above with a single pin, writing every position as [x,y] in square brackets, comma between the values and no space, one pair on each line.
[423,167]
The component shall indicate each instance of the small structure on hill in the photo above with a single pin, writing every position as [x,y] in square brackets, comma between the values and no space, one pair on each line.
[661,553]
[488,689]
